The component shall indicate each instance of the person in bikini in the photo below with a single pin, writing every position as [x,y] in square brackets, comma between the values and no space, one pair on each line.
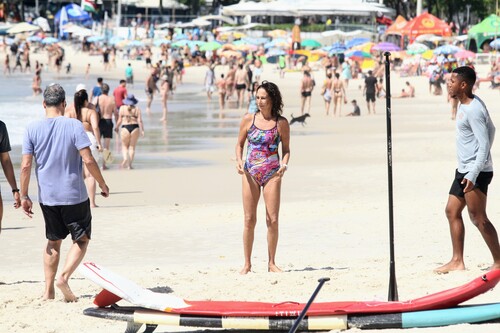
[262,170]
[240,84]
[338,94]
[130,125]
[90,120]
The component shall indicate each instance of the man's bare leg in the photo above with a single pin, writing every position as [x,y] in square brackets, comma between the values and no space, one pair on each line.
[74,258]
[50,262]
[454,209]
[476,205]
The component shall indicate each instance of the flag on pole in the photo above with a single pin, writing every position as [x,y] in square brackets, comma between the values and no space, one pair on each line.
[63,19]
[89,6]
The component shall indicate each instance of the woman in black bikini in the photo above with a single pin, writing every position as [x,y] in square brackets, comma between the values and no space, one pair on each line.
[130,126]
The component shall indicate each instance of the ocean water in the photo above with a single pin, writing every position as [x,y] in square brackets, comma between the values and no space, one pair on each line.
[192,122]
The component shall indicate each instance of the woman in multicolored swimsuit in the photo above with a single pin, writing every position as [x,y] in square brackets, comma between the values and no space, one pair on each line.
[262,170]
[130,126]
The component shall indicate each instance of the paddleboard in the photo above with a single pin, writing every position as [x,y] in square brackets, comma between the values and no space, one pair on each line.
[135,317]
[117,287]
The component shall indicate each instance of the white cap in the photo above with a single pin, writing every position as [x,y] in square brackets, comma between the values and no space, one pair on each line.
[80,86]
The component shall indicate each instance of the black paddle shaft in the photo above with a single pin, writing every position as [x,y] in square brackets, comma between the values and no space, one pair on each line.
[393,288]
[304,311]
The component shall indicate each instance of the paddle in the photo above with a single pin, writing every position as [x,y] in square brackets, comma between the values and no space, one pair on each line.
[393,288]
[304,311]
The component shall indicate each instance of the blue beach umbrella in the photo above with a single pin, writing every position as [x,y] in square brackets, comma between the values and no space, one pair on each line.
[495,44]
[95,39]
[34,39]
[357,41]
[50,40]
[446,49]
[160,42]
[115,40]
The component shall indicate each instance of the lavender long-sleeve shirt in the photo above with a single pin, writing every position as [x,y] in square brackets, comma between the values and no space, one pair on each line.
[474,137]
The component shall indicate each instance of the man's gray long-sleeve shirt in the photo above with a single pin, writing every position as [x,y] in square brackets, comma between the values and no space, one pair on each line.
[474,137]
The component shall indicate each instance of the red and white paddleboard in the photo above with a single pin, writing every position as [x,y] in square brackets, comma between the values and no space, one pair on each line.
[117,287]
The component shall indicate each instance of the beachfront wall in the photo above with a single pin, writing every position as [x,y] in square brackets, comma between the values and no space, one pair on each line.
[307,8]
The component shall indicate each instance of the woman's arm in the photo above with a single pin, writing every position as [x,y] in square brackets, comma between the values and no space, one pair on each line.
[242,136]
[94,122]
[139,121]
[119,121]
[284,131]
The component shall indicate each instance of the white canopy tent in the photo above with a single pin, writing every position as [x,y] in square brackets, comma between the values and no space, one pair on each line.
[167,4]
[307,8]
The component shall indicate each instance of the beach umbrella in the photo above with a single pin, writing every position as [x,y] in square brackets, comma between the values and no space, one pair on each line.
[278,42]
[22,27]
[277,33]
[50,40]
[34,39]
[230,53]
[358,55]
[255,41]
[428,55]
[464,54]
[135,43]
[210,46]
[416,48]
[115,40]
[180,37]
[336,48]
[160,42]
[446,49]
[495,44]
[356,41]
[386,46]
[314,44]
[95,39]
[275,52]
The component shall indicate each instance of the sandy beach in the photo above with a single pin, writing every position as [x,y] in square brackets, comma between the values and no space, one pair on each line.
[180,228]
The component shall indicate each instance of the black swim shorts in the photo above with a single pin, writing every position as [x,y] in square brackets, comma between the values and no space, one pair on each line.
[482,182]
[370,97]
[306,93]
[106,128]
[71,219]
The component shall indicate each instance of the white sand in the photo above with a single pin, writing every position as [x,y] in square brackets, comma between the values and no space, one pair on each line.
[182,227]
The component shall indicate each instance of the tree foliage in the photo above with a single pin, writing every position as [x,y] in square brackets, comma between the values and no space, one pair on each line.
[448,10]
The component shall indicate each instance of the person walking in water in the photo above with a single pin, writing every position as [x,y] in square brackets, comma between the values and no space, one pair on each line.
[262,170]
[474,137]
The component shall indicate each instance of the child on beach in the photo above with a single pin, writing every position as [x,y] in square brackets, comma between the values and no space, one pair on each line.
[356,112]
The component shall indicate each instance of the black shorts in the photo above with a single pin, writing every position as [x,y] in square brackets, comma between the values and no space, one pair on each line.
[241,86]
[63,220]
[106,128]
[482,182]
[306,93]
[370,97]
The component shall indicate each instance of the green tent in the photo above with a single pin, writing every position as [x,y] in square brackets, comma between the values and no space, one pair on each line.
[485,31]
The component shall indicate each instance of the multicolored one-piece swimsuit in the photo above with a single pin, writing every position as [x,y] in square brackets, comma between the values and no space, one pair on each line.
[263,159]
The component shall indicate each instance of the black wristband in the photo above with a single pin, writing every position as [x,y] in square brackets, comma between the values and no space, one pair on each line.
[14,190]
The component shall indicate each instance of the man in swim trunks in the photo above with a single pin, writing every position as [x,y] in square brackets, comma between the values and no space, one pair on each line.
[369,91]
[306,88]
[108,112]
[474,137]
[58,145]
[241,83]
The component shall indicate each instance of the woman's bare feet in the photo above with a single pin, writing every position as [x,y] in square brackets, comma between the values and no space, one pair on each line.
[274,269]
[451,266]
[66,290]
[245,270]
[49,294]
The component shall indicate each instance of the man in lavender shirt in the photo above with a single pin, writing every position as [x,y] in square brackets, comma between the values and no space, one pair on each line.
[59,144]
[474,136]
